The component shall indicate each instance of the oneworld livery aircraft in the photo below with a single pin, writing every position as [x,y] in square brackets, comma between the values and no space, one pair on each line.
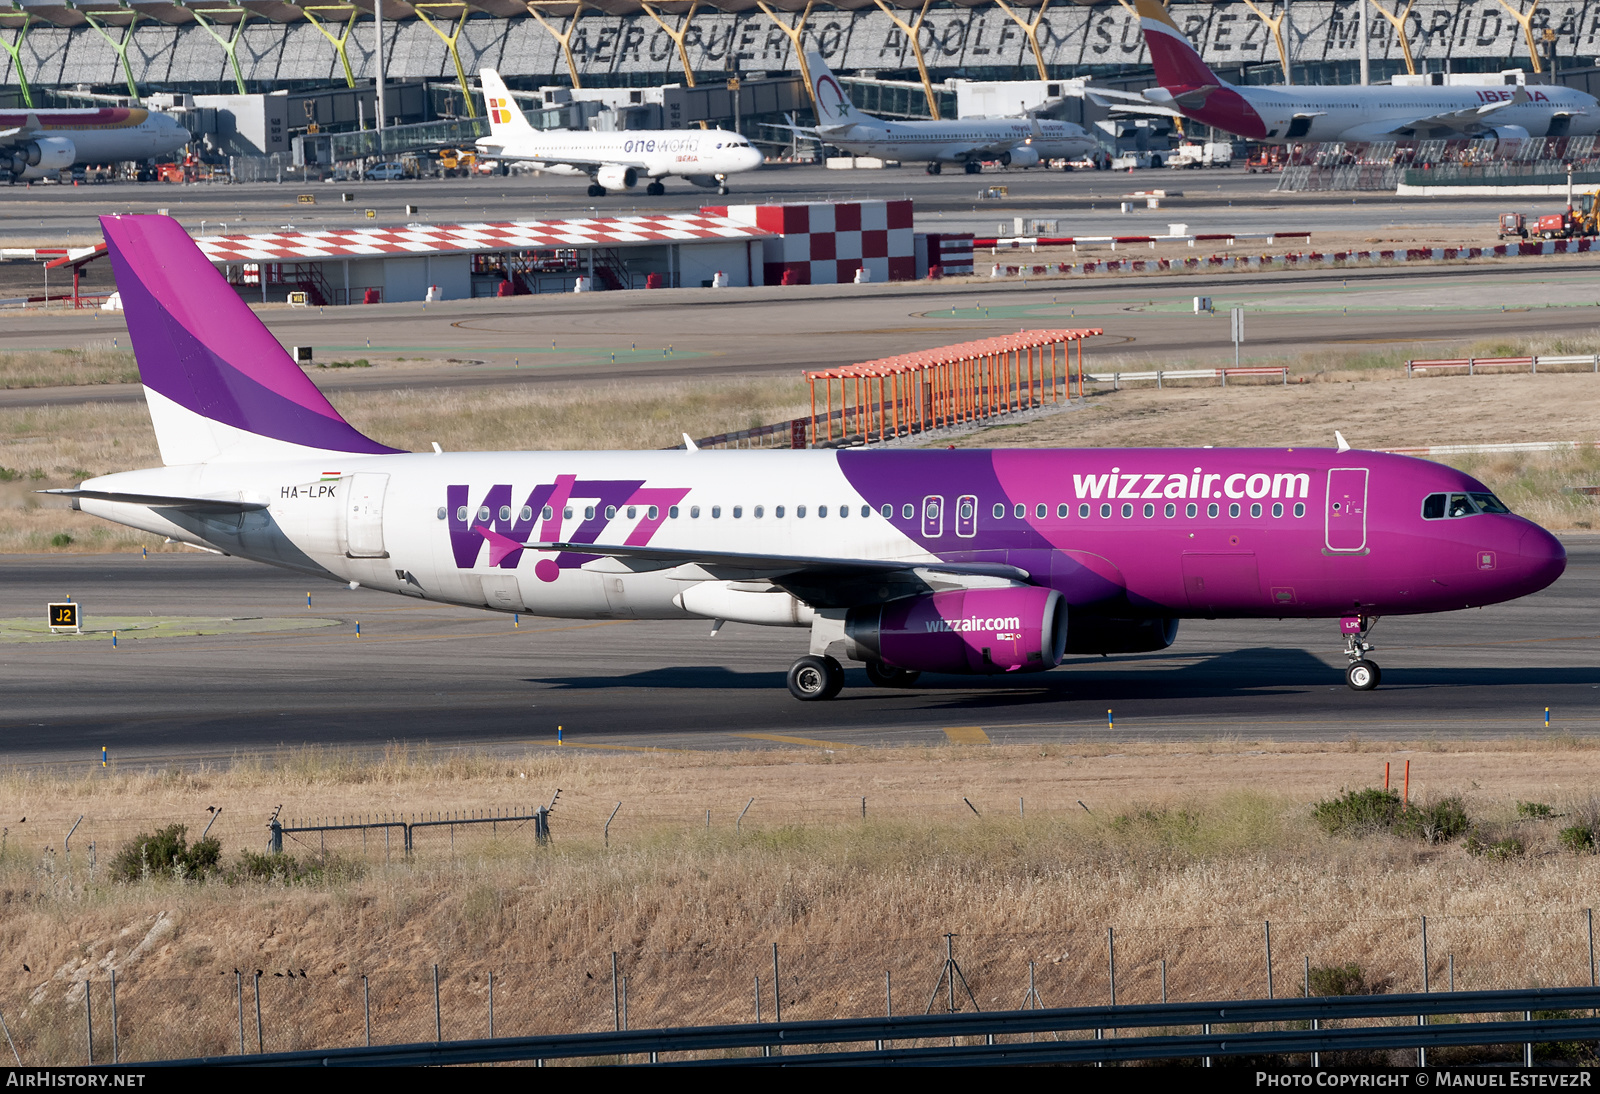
[1344,112]
[973,561]
[613,160]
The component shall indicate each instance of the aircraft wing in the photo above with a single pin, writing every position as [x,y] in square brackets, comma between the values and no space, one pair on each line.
[820,582]
[12,136]
[581,162]
[164,501]
[779,564]
[1466,120]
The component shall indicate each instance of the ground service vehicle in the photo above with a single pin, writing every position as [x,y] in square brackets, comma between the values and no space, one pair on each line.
[1513,225]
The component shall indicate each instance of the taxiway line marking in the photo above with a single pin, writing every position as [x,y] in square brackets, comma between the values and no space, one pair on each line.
[966,735]
[781,739]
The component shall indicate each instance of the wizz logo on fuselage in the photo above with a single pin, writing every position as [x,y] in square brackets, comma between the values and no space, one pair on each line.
[589,501]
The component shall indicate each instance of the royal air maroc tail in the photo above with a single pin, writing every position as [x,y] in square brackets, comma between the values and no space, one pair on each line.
[614,160]
[1345,112]
[974,561]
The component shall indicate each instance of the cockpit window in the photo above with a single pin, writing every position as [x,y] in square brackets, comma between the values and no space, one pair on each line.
[1451,506]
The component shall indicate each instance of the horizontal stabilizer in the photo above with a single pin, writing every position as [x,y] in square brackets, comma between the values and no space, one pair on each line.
[163,501]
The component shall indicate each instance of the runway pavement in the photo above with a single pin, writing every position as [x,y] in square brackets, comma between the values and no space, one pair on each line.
[449,677]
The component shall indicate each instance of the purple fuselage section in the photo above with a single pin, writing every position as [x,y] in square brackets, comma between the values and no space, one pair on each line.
[1210,532]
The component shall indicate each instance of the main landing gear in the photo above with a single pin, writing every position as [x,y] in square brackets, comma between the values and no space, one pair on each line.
[596,190]
[934,168]
[974,167]
[1361,674]
[813,678]
[655,189]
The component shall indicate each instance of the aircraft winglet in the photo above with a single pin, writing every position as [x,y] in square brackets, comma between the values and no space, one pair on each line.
[1344,445]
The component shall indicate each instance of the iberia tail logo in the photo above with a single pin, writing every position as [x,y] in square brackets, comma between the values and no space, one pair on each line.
[499,112]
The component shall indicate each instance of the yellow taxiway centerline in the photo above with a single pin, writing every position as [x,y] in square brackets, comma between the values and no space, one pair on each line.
[781,739]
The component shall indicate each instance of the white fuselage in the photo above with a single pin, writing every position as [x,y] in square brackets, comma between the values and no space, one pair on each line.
[958,141]
[1354,113]
[407,520]
[654,153]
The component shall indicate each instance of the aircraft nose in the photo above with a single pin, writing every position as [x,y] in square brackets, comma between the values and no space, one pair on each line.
[751,159]
[1543,557]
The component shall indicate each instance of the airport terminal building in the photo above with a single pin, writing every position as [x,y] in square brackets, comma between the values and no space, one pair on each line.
[264,45]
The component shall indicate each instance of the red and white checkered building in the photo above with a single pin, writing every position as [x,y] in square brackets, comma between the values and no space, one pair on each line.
[825,243]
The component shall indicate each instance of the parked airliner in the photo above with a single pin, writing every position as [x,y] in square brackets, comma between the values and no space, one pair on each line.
[617,160]
[1015,142]
[951,561]
[1345,112]
[36,143]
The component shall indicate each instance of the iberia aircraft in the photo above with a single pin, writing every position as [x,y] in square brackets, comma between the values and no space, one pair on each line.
[36,143]
[615,160]
[1343,112]
[950,561]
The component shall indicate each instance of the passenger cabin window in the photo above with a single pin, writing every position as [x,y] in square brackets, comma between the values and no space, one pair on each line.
[777,511]
[999,511]
[887,510]
[822,510]
[908,511]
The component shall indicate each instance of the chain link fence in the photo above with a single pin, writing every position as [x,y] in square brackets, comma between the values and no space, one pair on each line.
[248,1010]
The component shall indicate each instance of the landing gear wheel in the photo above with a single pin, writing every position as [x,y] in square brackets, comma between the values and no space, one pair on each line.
[812,679]
[722,190]
[655,189]
[886,676]
[935,168]
[974,167]
[596,190]
[1363,675]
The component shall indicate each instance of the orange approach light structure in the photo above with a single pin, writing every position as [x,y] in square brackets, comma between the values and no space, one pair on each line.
[933,388]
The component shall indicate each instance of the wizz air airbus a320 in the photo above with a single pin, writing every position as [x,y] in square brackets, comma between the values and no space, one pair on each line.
[975,561]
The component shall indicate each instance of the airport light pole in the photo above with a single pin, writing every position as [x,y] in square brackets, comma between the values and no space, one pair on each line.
[1238,333]
[377,15]
[1365,70]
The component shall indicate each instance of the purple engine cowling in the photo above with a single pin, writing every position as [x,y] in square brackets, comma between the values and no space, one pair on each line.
[1018,629]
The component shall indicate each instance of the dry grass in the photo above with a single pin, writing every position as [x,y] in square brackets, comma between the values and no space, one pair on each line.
[67,367]
[589,416]
[1184,853]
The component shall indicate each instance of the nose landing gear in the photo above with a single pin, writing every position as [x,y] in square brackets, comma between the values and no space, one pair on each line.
[1361,674]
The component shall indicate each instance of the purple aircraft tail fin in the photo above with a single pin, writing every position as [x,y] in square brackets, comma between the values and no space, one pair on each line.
[218,383]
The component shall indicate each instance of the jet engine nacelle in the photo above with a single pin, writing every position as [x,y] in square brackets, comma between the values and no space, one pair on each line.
[1097,634]
[1024,155]
[616,177]
[1014,629]
[1508,133]
[45,154]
